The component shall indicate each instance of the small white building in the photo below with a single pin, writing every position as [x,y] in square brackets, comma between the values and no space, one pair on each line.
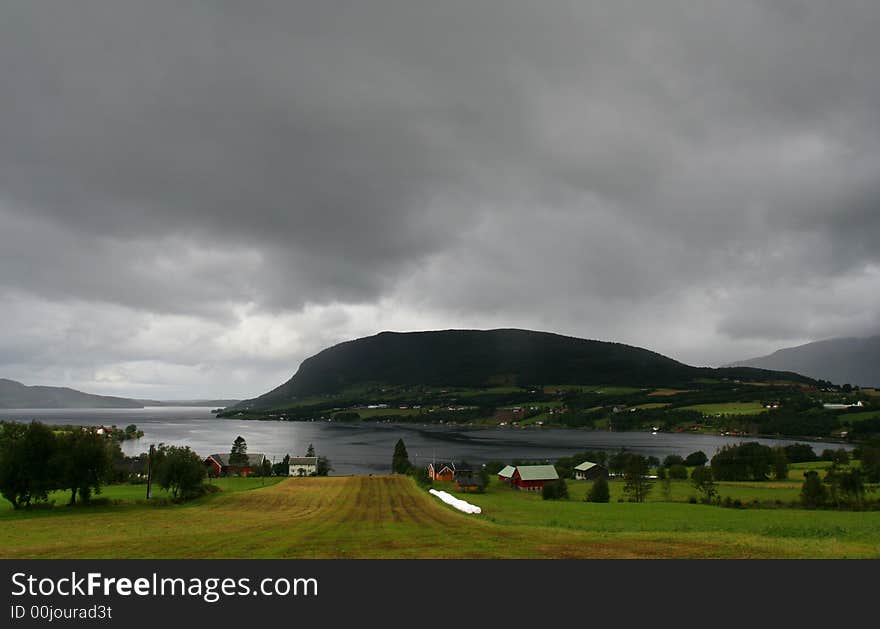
[303,466]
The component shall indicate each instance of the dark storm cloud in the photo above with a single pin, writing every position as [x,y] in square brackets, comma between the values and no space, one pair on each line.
[700,180]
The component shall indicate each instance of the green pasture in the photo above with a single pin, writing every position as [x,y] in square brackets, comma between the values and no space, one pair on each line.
[728,408]
[130,494]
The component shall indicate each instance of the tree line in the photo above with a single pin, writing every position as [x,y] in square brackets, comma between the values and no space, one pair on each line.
[36,459]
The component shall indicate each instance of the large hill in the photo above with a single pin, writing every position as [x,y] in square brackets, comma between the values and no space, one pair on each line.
[842,360]
[16,395]
[480,358]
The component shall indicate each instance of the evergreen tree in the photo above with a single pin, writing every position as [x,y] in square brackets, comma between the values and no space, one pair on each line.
[311,450]
[283,468]
[238,454]
[400,461]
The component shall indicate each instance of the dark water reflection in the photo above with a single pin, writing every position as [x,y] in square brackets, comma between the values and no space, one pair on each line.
[365,448]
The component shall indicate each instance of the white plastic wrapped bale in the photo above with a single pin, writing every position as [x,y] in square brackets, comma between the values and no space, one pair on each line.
[458,503]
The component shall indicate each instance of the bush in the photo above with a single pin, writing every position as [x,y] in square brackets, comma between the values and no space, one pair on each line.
[557,490]
[702,480]
[839,456]
[813,492]
[678,472]
[599,492]
[421,477]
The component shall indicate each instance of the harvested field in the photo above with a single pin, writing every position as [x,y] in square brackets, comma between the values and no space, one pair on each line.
[390,517]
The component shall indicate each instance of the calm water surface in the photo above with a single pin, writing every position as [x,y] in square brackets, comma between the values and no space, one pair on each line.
[366,448]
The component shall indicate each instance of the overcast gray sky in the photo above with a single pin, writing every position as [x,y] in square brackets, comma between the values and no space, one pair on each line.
[194,197]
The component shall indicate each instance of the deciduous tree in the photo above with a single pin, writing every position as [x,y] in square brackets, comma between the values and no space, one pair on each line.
[179,470]
[636,484]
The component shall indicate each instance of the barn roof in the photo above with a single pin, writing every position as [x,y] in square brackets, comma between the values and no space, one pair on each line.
[254,459]
[507,471]
[586,465]
[537,472]
[439,465]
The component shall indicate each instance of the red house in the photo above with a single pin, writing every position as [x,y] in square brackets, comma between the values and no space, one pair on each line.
[218,465]
[533,477]
[441,471]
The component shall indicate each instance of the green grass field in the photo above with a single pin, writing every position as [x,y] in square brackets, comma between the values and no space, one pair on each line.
[728,408]
[389,516]
[135,493]
[857,417]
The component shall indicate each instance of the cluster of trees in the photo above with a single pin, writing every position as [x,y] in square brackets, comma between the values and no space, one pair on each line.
[749,461]
[841,488]
[35,460]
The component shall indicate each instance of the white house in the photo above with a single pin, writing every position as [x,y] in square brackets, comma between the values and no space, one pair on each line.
[302,466]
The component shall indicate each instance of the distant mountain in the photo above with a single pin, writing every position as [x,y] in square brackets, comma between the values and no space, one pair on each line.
[212,403]
[479,358]
[16,395]
[843,360]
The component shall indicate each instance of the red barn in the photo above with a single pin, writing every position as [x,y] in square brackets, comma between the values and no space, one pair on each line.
[533,477]
[218,465]
[506,473]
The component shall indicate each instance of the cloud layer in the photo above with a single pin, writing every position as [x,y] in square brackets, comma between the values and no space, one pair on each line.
[195,198]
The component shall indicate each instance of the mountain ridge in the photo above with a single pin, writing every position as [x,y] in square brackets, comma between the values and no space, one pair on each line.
[853,360]
[14,394]
[482,358]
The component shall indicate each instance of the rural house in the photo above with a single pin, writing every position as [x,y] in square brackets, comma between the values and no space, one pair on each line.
[588,471]
[441,471]
[302,466]
[466,480]
[533,477]
[506,473]
[219,465]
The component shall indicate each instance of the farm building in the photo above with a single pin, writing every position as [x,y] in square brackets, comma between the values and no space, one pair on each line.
[533,477]
[441,471]
[302,466]
[468,481]
[506,473]
[588,471]
[219,465]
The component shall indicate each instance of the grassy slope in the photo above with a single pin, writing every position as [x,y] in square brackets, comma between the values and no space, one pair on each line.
[728,408]
[391,517]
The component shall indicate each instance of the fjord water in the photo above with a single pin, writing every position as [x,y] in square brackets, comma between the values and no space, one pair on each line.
[366,447]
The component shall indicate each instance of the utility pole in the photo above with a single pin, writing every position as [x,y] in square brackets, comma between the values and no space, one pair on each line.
[150,471]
